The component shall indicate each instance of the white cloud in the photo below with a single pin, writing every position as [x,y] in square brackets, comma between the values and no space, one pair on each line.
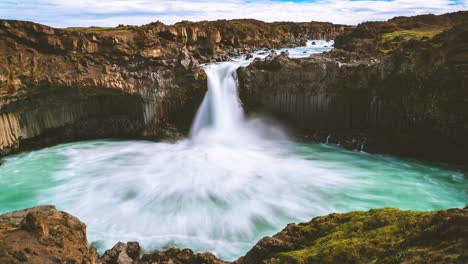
[62,13]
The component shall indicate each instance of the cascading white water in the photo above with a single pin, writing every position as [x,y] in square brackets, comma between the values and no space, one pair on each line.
[225,187]
[220,112]
[220,119]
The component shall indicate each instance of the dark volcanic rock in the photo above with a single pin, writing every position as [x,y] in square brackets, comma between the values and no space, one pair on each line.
[177,256]
[410,101]
[61,85]
[375,37]
[122,253]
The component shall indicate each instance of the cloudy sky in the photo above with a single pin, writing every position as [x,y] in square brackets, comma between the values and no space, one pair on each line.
[66,13]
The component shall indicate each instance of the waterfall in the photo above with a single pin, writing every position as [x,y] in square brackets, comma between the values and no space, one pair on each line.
[220,111]
[220,118]
[232,183]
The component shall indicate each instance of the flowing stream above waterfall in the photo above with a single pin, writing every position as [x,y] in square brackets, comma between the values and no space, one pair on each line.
[232,182]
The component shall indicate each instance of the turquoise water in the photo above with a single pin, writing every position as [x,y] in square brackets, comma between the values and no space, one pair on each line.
[234,181]
[218,198]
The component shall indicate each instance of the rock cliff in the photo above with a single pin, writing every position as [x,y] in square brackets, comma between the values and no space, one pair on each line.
[129,82]
[43,235]
[382,88]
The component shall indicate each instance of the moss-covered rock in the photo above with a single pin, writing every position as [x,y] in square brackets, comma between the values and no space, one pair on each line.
[378,236]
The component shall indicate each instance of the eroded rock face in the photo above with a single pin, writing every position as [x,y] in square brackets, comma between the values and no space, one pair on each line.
[44,235]
[409,101]
[61,85]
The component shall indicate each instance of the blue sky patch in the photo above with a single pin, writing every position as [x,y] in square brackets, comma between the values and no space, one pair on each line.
[61,13]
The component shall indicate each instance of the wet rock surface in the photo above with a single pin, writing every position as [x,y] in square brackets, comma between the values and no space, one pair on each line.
[409,101]
[387,235]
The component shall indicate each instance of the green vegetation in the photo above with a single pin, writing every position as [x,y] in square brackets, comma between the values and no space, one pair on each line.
[393,40]
[101,29]
[378,236]
[201,75]
[12,223]
[410,34]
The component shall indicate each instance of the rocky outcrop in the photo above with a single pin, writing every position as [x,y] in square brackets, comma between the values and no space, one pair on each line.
[222,36]
[409,101]
[57,85]
[61,85]
[377,236]
[43,235]
[384,36]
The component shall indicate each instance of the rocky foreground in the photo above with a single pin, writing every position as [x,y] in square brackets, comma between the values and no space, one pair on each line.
[44,235]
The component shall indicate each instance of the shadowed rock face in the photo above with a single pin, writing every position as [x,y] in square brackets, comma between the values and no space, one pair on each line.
[43,235]
[376,37]
[129,82]
[408,101]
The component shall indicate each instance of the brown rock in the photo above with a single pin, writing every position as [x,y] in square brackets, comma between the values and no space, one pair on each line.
[35,222]
[58,85]
[133,250]
[45,236]
[17,216]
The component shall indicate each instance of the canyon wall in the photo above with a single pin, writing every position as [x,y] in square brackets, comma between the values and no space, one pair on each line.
[404,94]
[60,85]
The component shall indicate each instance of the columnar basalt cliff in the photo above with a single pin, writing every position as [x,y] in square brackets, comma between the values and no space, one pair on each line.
[68,84]
[44,235]
[395,87]
[73,85]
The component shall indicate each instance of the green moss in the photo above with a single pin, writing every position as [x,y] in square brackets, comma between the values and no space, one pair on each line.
[378,236]
[410,34]
[393,40]
[101,29]
[201,75]
[13,223]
